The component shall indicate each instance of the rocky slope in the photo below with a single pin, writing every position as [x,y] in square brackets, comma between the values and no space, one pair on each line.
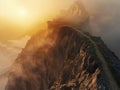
[65,58]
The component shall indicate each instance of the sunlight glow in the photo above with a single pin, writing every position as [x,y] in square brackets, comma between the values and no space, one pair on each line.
[22,13]
[29,13]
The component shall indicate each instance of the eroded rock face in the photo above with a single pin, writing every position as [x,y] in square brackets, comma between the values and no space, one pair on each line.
[60,59]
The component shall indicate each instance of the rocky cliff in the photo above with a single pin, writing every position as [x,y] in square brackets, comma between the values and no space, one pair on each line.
[65,58]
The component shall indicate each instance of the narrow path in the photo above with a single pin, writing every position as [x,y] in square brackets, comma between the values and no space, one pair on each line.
[106,69]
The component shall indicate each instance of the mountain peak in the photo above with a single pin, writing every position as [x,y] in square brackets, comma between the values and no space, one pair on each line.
[65,58]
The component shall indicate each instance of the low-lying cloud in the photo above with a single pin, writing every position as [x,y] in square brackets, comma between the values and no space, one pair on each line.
[8,53]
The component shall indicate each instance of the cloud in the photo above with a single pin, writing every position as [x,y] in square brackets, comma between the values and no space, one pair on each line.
[104,19]
[19,43]
[8,53]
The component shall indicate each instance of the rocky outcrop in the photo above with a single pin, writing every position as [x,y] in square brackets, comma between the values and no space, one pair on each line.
[64,59]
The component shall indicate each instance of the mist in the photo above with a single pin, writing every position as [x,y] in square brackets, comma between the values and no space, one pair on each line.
[104,21]
[8,53]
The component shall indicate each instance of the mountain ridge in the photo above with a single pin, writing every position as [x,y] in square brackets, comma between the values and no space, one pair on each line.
[65,57]
[61,59]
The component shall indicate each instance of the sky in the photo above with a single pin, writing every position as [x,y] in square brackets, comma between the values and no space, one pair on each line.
[29,10]
[16,16]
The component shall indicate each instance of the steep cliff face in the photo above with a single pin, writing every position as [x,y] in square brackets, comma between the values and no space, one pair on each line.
[65,58]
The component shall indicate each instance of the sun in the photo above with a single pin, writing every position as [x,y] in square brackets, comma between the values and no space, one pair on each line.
[22,16]
[22,13]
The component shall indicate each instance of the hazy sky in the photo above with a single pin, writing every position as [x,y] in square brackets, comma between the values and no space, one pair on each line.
[14,13]
[13,9]
[104,16]
[17,15]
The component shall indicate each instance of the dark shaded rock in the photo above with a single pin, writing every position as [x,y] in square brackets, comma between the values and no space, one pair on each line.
[62,59]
